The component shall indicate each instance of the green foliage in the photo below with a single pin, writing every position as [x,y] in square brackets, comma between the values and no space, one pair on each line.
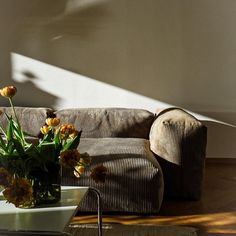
[24,159]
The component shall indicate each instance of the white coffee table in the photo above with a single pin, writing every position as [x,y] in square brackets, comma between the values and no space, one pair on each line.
[47,220]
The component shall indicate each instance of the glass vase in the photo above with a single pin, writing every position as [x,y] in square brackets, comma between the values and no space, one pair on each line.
[46,187]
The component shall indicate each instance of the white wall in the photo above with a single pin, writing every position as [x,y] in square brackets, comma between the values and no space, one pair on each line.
[147,53]
[63,89]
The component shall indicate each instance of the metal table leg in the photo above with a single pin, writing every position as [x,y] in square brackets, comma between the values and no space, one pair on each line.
[99,205]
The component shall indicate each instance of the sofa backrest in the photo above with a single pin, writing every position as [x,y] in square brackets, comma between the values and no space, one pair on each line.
[94,122]
[30,118]
[109,122]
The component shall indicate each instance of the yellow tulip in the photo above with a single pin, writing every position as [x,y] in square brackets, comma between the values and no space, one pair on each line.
[45,129]
[8,91]
[67,130]
[52,121]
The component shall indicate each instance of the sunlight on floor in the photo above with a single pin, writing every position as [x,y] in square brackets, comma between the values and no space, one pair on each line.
[212,223]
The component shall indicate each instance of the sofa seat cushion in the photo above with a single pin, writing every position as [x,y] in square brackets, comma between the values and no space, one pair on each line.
[135,181]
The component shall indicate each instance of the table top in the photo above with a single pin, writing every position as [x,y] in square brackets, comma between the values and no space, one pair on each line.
[48,218]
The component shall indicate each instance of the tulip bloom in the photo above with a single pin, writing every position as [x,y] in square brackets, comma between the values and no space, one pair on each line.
[5,178]
[85,159]
[19,192]
[45,129]
[70,158]
[67,130]
[52,121]
[99,173]
[79,170]
[8,91]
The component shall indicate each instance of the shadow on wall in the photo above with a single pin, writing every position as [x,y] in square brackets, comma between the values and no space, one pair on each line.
[221,138]
[124,44]
[41,88]
[31,94]
[116,42]
[13,15]
[137,45]
[67,89]
[33,28]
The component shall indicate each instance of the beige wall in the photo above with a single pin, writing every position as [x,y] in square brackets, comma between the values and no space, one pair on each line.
[181,52]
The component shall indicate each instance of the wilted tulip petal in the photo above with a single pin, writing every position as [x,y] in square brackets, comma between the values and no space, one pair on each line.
[5,177]
[66,130]
[19,192]
[79,170]
[99,173]
[70,158]
[85,159]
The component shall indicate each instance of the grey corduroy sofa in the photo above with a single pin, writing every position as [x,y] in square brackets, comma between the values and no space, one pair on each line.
[148,155]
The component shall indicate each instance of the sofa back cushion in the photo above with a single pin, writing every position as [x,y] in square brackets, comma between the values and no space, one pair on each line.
[30,118]
[109,122]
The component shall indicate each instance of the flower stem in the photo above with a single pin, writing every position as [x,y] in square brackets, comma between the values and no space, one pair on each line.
[17,120]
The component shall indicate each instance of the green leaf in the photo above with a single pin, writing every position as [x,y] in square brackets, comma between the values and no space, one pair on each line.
[18,132]
[47,150]
[73,144]
[35,159]
[2,153]
[32,150]
[2,143]
[8,117]
[57,138]
[10,147]
[58,144]
[10,130]
[48,137]
[18,147]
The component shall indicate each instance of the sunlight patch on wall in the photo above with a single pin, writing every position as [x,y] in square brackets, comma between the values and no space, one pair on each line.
[41,84]
[74,90]
[68,89]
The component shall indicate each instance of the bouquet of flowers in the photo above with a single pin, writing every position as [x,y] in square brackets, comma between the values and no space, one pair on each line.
[29,173]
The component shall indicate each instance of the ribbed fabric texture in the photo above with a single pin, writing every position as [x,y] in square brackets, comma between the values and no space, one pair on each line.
[135,181]
[109,122]
[179,140]
[119,137]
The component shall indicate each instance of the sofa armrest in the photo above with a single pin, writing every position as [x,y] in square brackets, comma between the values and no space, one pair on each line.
[179,141]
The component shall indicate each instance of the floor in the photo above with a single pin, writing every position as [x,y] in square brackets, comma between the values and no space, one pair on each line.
[214,214]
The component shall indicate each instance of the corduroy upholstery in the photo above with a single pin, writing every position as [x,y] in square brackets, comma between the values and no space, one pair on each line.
[135,181]
[109,122]
[179,141]
[143,152]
